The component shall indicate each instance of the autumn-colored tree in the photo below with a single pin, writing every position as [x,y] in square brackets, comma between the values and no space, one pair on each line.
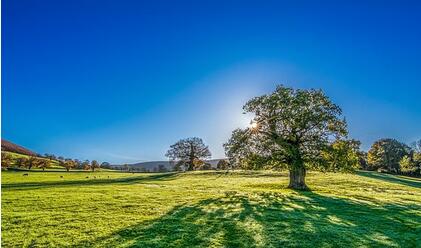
[94,165]
[6,160]
[32,162]
[22,162]
[43,164]
[68,164]
[86,165]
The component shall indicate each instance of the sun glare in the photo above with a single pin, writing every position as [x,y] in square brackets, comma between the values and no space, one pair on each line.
[253,125]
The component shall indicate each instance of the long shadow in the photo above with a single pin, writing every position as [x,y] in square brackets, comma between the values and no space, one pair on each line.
[90,182]
[304,219]
[391,178]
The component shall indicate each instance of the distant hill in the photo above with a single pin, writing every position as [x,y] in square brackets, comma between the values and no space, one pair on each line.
[10,147]
[150,166]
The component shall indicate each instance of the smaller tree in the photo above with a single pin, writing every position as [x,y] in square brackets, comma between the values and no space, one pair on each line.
[342,155]
[188,152]
[78,164]
[6,160]
[106,165]
[69,164]
[416,156]
[94,165]
[43,164]
[86,165]
[32,162]
[223,164]
[202,165]
[408,165]
[386,154]
[22,162]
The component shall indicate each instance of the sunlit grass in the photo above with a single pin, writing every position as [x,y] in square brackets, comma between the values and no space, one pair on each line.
[209,209]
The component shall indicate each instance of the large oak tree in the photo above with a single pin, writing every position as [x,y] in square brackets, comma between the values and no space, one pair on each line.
[291,128]
[189,152]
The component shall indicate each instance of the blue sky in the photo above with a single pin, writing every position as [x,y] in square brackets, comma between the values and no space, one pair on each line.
[120,81]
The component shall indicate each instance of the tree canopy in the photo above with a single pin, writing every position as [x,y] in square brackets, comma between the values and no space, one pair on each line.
[386,154]
[189,152]
[294,129]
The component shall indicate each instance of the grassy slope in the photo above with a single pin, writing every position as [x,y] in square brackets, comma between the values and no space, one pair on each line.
[208,209]
[53,163]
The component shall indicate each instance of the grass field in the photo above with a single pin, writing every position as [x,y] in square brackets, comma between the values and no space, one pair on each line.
[209,209]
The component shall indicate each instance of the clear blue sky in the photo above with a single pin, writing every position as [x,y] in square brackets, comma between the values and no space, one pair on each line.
[120,81]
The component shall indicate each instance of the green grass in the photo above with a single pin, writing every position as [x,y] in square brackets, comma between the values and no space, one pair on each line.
[209,209]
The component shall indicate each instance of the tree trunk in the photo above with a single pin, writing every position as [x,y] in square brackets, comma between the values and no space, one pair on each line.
[297,178]
[190,166]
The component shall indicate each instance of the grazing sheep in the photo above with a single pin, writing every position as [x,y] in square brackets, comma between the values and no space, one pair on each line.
[26,174]
[61,176]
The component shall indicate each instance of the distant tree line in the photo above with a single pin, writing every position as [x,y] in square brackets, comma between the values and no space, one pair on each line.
[46,161]
[390,155]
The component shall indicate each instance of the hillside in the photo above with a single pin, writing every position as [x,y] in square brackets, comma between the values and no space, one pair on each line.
[11,147]
[209,209]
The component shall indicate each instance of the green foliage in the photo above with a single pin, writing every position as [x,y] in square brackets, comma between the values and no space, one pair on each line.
[386,154]
[106,165]
[189,152]
[290,127]
[223,164]
[341,155]
[208,209]
[408,165]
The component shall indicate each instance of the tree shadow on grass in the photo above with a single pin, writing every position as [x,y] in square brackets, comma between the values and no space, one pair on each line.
[90,182]
[391,178]
[301,219]
[243,173]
